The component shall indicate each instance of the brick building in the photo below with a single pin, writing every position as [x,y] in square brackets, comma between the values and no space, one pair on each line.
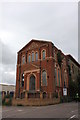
[7,90]
[39,72]
[74,68]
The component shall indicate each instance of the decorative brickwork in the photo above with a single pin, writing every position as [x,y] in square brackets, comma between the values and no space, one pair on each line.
[34,64]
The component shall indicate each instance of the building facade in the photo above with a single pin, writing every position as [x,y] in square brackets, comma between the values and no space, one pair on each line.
[7,90]
[74,68]
[39,72]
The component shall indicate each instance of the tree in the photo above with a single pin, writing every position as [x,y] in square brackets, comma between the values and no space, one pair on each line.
[73,85]
[59,58]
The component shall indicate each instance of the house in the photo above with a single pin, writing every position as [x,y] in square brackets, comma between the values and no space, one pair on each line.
[7,89]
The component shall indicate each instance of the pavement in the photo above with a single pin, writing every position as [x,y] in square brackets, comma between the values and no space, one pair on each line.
[63,110]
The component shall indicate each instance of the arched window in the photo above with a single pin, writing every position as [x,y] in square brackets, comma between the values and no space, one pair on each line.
[23,60]
[56,76]
[65,78]
[32,56]
[32,83]
[29,58]
[44,78]
[22,79]
[43,54]
[36,56]
[59,77]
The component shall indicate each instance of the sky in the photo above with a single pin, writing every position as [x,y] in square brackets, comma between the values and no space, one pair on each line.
[22,21]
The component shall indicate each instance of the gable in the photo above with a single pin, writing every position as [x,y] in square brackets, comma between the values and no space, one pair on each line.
[34,44]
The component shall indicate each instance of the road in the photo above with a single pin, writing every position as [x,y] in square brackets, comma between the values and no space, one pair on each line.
[65,110]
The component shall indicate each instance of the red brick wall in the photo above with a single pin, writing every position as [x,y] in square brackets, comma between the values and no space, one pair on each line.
[47,64]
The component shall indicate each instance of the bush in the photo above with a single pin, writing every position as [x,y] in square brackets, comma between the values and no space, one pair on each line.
[3,101]
[8,96]
[65,99]
[61,99]
[55,95]
[9,103]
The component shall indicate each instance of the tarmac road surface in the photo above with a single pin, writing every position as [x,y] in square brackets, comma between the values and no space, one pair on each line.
[63,110]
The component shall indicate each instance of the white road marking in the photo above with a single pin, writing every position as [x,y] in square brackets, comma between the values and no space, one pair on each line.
[19,110]
[72,117]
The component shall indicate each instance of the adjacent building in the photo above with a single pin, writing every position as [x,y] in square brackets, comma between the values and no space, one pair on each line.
[74,68]
[7,90]
[42,70]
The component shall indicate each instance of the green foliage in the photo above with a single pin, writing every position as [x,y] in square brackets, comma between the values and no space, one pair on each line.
[73,85]
[69,68]
[55,95]
[59,58]
[73,88]
[3,101]
[9,103]
[8,96]
[64,99]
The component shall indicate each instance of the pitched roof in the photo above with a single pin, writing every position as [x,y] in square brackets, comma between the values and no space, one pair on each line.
[33,40]
[70,57]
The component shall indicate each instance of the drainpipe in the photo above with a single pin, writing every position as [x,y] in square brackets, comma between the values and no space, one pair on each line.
[40,67]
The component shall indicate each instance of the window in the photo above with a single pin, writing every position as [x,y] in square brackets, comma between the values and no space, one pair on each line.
[29,58]
[26,57]
[44,80]
[23,60]
[36,56]
[32,83]
[65,78]
[73,69]
[22,79]
[59,77]
[32,56]
[54,55]
[56,76]
[43,54]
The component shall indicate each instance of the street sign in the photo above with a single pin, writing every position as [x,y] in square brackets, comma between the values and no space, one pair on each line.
[65,91]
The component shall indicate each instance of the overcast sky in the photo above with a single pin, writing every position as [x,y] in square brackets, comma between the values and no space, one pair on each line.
[20,22]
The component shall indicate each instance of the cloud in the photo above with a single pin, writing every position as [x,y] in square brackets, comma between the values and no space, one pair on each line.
[7,65]
[23,21]
[8,57]
[8,74]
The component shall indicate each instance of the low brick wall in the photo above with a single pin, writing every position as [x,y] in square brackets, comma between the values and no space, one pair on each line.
[35,102]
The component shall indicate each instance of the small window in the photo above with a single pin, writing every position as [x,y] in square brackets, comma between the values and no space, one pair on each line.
[44,79]
[23,60]
[26,57]
[56,76]
[29,58]
[36,56]
[32,56]
[43,54]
